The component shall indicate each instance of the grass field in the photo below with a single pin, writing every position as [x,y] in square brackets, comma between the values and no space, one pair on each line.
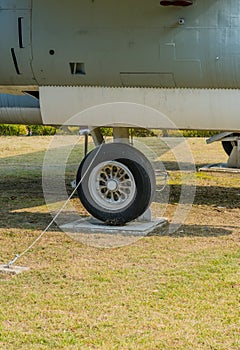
[177,290]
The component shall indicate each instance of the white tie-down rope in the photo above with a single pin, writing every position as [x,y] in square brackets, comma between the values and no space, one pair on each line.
[18,256]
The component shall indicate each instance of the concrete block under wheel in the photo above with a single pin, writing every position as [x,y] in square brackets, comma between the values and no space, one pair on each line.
[136,228]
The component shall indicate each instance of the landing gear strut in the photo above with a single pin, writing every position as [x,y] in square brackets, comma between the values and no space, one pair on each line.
[231,145]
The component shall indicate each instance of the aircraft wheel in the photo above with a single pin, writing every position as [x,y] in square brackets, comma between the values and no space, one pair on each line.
[228,146]
[117,183]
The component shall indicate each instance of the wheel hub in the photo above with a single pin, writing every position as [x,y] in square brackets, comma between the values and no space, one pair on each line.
[112,185]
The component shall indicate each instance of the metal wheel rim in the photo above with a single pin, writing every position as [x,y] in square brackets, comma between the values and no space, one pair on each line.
[112,185]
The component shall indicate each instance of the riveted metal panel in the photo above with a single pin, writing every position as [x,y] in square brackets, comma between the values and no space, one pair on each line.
[197,46]
[15,4]
[15,47]
[107,38]
[148,79]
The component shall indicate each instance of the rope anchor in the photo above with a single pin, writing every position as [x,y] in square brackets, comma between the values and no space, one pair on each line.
[17,256]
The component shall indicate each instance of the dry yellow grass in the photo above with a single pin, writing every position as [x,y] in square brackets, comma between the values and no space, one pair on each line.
[167,291]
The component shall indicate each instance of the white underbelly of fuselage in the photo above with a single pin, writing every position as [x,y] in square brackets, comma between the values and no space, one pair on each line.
[154,108]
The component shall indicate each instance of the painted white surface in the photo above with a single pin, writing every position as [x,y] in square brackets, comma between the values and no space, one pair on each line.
[217,109]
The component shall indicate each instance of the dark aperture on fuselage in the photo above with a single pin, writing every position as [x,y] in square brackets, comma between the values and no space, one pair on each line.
[20,34]
[77,68]
[15,62]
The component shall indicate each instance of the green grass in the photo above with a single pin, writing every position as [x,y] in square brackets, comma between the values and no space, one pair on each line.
[85,298]
[167,291]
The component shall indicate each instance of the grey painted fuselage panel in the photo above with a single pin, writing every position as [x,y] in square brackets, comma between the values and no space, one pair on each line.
[127,43]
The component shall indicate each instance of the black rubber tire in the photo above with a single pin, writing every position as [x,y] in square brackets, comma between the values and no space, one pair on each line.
[143,174]
[227,146]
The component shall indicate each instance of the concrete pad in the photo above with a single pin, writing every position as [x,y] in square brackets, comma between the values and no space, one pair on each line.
[134,228]
[13,270]
[95,233]
[220,167]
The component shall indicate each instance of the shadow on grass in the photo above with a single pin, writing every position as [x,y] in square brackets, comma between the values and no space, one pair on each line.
[22,193]
[39,221]
[21,188]
[225,197]
[194,231]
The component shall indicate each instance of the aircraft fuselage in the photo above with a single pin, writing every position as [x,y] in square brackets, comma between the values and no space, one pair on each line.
[128,44]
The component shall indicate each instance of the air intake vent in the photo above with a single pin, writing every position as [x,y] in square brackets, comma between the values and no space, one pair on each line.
[77,68]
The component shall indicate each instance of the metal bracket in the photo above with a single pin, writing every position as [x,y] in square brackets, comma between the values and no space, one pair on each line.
[234,158]
[219,137]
